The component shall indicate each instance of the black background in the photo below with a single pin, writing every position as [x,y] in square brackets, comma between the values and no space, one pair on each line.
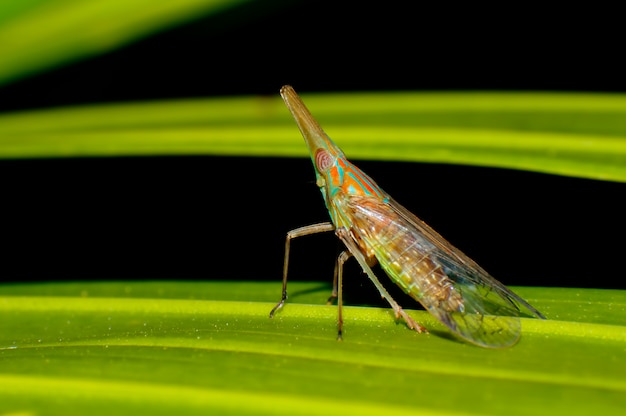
[226,218]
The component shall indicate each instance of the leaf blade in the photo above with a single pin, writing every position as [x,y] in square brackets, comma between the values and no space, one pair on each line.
[567,134]
[140,350]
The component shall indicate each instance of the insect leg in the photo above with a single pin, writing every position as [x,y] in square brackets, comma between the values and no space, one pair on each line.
[343,234]
[338,290]
[338,265]
[298,232]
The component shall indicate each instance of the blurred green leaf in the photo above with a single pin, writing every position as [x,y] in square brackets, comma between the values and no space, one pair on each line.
[569,134]
[198,347]
[39,34]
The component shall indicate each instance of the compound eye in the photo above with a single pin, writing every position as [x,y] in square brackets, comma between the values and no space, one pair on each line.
[323,160]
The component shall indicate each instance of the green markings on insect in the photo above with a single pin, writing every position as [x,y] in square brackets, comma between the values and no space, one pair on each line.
[376,229]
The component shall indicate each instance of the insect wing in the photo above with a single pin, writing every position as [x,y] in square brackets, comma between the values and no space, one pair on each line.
[513,304]
[451,286]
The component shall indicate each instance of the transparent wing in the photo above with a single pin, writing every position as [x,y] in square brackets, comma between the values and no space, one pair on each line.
[452,287]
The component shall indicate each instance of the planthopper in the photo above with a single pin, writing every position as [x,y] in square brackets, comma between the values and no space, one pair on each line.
[376,229]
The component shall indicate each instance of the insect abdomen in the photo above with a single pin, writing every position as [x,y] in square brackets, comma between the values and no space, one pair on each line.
[420,276]
[404,256]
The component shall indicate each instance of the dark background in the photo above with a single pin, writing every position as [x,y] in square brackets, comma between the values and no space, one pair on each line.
[201,218]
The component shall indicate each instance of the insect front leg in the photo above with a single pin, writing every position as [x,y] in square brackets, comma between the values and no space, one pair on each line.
[298,232]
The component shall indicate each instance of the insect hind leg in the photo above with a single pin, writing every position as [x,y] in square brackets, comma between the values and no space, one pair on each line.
[343,234]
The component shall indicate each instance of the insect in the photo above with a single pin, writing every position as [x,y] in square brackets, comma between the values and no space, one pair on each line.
[376,229]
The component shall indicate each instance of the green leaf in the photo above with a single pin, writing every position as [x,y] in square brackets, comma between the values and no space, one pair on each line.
[569,134]
[196,348]
[39,34]
[209,347]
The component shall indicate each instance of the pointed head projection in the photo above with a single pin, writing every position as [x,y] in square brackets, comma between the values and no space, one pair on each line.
[335,174]
[324,153]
